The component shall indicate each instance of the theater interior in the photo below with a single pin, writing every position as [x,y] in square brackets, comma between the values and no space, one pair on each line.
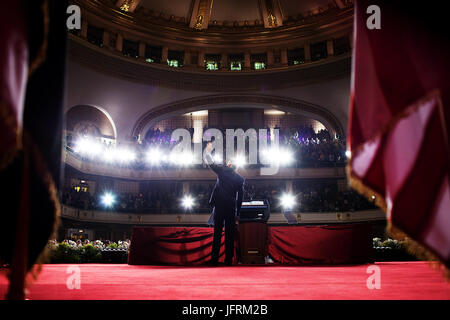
[284,91]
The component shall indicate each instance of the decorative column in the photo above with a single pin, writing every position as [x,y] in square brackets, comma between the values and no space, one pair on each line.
[284,57]
[270,59]
[307,50]
[105,39]
[84,27]
[201,60]
[247,60]
[201,12]
[141,49]
[187,57]
[271,13]
[224,61]
[119,42]
[330,48]
[164,55]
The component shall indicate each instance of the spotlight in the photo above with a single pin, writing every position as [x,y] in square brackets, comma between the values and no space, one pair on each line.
[125,156]
[239,161]
[285,157]
[288,201]
[174,158]
[87,146]
[154,156]
[182,159]
[108,199]
[109,155]
[217,158]
[348,154]
[187,202]
[278,156]
[186,158]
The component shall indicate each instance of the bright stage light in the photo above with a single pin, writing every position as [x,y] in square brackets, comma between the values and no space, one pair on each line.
[182,159]
[278,156]
[187,202]
[87,146]
[186,158]
[109,155]
[154,156]
[217,158]
[285,157]
[288,201]
[348,154]
[239,161]
[108,199]
[125,156]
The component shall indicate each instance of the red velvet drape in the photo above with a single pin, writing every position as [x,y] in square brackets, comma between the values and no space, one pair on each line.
[325,244]
[173,245]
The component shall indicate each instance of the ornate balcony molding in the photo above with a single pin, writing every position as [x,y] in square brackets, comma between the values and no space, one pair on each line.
[193,218]
[146,26]
[136,69]
[283,103]
[190,174]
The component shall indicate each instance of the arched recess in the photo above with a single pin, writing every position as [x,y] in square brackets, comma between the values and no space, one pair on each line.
[90,118]
[294,106]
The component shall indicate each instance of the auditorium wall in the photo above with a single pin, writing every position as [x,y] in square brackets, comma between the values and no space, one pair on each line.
[126,101]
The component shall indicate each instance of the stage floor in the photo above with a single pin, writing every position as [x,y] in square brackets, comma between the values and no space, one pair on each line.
[399,280]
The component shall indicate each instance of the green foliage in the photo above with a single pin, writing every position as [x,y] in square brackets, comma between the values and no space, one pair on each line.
[388,243]
[65,253]
[70,252]
[89,253]
[112,245]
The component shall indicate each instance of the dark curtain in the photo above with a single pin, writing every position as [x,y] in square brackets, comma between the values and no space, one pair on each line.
[173,246]
[326,244]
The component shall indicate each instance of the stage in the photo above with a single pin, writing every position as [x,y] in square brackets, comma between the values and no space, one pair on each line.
[399,280]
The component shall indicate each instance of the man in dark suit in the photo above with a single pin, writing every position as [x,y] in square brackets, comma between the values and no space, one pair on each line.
[226,199]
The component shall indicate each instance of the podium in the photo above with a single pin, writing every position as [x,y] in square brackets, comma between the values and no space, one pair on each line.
[253,231]
[252,242]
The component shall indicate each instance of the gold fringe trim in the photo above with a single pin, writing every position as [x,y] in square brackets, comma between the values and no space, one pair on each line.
[417,250]
[356,183]
[9,121]
[42,52]
[40,168]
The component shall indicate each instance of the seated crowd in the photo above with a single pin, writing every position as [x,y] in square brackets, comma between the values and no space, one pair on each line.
[311,197]
[309,149]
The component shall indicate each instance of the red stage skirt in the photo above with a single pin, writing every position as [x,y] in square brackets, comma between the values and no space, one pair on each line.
[323,244]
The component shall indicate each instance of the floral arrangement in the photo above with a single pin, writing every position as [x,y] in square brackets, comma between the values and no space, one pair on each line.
[69,251]
[388,243]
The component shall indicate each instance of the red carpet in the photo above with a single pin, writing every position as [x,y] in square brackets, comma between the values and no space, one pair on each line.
[399,280]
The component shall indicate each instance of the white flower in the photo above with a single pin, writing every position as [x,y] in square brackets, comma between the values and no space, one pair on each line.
[72,244]
[98,244]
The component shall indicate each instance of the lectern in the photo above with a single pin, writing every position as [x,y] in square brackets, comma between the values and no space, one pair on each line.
[253,231]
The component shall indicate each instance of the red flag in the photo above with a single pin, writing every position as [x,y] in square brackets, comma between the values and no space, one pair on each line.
[398,135]
[14,54]
[32,60]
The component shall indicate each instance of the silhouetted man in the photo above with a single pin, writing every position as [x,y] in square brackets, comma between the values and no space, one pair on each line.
[226,199]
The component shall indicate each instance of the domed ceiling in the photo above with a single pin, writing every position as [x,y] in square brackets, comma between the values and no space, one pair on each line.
[204,14]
